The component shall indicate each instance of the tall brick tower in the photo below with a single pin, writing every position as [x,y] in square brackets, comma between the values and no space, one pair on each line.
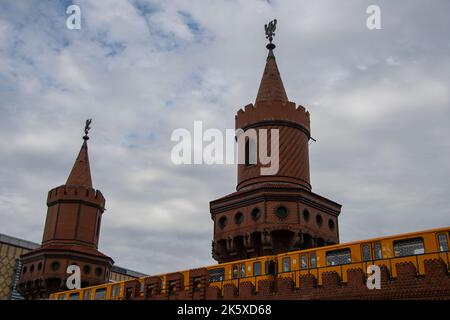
[71,235]
[276,213]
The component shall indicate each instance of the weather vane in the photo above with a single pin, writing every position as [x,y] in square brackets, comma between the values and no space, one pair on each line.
[87,128]
[270,32]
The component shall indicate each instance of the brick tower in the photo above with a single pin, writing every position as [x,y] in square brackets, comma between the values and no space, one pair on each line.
[270,214]
[71,235]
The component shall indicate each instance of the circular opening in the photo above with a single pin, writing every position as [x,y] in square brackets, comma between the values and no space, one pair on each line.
[306,215]
[40,266]
[86,269]
[223,222]
[331,224]
[98,271]
[24,270]
[319,220]
[55,266]
[239,218]
[32,268]
[256,213]
[282,212]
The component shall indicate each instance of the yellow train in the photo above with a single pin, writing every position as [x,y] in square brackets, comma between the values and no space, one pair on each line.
[386,251]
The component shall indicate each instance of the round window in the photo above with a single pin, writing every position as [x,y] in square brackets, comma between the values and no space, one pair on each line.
[55,266]
[223,222]
[256,213]
[331,224]
[98,271]
[239,218]
[306,215]
[86,269]
[319,220]
[282,212]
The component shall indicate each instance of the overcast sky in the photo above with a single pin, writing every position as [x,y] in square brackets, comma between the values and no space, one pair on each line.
[379,104]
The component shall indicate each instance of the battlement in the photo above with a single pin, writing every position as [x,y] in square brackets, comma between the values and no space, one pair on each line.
[276,111]
[76,193]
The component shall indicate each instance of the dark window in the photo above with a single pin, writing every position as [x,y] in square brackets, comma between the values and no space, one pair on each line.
[243,271]
[235,272]
[172,287]
[303,262]
[366,252]
[319,220]
[24,270]
[40,266]
[338,257]
[282,212]
[55,266]
[271,267]
[216,275]
[32,268]
[250,152]
[378,251]
[331,224]
[98,271]
[86,269]
[129,294]
[98,226]
[100,294]
[286,264]
[257,268]
[306,215]
[408,247]
[223,222]
[256,213]
[74,296]
[87,295]
[313,260]
[443,243]
[239,218]
[247,152]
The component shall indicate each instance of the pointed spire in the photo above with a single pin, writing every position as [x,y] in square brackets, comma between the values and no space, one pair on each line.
[81,171]
[271,87]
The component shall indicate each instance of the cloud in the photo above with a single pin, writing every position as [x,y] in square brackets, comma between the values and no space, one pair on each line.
[379,104]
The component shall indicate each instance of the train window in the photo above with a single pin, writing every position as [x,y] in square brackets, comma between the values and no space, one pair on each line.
[172,287]
[366,252]
[271,267]
[443,244]
[313,260]
[62,297]
[408,247]
[235,272]
[100,294]
[378,252]
[216,274]
[115,291]
[74,296]
[87,295]
[242,270]
[286,264]
[338,257]
[257,268]
[128,293]
[303,262]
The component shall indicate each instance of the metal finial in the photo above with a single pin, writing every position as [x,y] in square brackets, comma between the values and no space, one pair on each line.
[270,33]
[87,128]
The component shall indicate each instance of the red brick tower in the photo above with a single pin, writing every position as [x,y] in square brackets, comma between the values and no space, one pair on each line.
[275,213]
[71,235]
